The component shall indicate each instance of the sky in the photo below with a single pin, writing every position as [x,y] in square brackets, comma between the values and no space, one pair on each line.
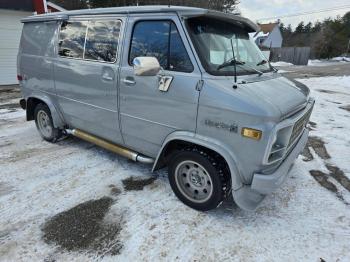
[257,9]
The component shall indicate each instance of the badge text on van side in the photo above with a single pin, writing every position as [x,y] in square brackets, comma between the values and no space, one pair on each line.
[221,125]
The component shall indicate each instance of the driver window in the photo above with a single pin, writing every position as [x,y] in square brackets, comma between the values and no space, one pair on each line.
[162,40]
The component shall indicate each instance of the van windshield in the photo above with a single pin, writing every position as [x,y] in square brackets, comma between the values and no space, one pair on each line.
[218,43]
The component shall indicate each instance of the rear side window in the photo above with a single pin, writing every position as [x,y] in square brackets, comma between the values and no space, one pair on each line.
[102,41]
[72,39]
[160,39]
[90,40]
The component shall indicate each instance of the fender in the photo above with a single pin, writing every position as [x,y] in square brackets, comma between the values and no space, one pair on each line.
[209,143]
[57,118]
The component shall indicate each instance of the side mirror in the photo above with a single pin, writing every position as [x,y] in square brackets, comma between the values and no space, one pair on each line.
[146,66]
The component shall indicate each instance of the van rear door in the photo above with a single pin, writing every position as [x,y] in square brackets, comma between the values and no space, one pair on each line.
[86,75]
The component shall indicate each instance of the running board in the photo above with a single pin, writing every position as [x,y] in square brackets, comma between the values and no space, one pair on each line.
[109,146]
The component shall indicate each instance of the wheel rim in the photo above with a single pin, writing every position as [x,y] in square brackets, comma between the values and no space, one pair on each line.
[44,123]
[193,181]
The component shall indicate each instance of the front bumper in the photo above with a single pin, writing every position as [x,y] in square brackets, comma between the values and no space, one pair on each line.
[266,184]
[249,197]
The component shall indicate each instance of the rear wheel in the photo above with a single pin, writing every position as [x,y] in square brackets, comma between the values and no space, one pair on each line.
[196,180]
[44,123]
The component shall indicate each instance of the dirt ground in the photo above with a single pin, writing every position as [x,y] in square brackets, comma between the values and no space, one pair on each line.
[8,93]
[336,69]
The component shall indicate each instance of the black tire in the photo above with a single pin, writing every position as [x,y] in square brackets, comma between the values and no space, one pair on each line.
[50,134]
[203,160]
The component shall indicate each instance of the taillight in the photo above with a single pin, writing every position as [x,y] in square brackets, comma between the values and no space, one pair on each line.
[19,78]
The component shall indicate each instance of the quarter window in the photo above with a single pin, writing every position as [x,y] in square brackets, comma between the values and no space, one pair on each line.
[179,60]
[162,40]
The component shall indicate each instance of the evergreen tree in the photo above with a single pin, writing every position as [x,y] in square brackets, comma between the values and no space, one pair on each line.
[308,27]
[300,28]
[317,27]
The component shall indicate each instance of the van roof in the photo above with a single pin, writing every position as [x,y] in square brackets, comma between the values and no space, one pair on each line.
[182,11]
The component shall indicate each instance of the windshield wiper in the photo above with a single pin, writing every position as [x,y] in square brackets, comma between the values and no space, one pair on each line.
[235,62]
[230,62]
[254,69]
[262,62]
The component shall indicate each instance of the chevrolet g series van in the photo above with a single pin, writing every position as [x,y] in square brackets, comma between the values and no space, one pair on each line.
[172,86]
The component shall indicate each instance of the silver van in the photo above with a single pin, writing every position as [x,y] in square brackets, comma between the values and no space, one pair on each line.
[169,86]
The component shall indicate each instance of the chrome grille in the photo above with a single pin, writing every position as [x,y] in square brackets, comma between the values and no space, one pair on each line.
[299,127]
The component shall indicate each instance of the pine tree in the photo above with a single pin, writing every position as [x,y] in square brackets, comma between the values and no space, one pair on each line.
[308,27]
[300,28]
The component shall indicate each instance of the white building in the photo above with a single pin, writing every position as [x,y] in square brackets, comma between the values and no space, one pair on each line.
[270,36]
[11,13]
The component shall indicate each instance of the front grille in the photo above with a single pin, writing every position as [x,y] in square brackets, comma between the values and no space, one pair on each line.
[299,127]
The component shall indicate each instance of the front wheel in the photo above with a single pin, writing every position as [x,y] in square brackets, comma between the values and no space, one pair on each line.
[196,180]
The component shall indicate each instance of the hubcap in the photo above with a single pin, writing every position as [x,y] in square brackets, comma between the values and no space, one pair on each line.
[44,123]
[193,181]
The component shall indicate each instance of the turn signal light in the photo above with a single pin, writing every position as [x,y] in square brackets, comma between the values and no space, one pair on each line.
[251,133]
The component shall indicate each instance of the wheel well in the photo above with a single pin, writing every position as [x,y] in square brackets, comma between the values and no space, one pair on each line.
[178,145]
[32,102]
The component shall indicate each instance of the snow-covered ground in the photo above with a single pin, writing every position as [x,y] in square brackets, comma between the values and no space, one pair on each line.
[333,61]
[314,62]
[341,58]
[281,64]
[302,221]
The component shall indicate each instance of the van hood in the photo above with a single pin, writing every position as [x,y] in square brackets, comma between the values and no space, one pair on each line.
[286,95]
[271,93]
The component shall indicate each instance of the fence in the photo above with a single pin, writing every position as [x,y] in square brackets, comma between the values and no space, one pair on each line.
[294,55]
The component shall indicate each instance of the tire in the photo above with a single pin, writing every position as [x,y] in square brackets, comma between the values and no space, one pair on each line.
[44,124]
[196,180]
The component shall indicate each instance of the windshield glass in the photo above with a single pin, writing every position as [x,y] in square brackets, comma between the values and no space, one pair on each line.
[214,39]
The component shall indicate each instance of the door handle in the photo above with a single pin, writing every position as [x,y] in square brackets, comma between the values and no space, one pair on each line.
[129,81]
[107,76]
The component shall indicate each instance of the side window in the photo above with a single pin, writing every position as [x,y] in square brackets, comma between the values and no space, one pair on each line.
[160,39]
[150,38]
[72,39]
[102,40]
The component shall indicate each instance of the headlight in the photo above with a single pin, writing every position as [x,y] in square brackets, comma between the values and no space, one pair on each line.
[279,144]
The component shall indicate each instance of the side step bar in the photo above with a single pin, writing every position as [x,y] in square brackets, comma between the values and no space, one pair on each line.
[109,146]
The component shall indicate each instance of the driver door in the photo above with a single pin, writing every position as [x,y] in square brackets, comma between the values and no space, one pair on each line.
[148,115]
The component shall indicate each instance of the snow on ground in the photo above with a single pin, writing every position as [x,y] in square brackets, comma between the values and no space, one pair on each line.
[315,62]
[332,115]
[342,58]
[333,61]
[281,64]
[283,71]
[302,221]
